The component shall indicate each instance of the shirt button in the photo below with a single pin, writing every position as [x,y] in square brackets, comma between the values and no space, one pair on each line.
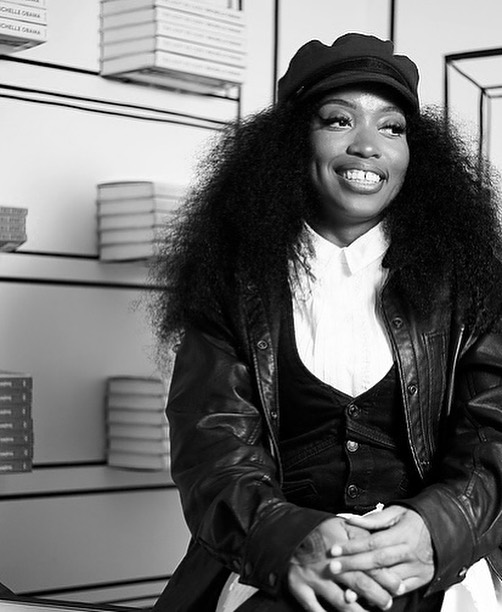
[412,389]
[397,322]
[352,491]
[353,411]
[352,446]
[262,344]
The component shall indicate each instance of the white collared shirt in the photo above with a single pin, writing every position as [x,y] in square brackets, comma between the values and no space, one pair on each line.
[340,334]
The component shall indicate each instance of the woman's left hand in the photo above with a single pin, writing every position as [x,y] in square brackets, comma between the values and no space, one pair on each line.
[399,539]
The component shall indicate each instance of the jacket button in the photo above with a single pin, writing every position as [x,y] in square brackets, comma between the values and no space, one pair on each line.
[352,491]
[272,579]
[352,446]
[397,322]
[412,389]
[262,344]
[248,568]
[273,414]
[353,411]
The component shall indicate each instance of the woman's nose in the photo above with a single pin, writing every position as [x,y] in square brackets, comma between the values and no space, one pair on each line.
[364,144]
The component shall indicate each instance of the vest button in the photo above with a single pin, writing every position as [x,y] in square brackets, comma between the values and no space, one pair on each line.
[397,322]
[262,345]
[352,446]
[412,389]
[352,491]
[353,411]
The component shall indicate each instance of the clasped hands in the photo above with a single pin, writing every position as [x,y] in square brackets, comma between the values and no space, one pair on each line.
[347,563]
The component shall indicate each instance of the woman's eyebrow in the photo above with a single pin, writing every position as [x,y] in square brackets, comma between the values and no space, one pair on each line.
[389,108]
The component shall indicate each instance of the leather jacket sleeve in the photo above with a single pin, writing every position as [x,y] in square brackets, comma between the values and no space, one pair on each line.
[226,475]
[463,506]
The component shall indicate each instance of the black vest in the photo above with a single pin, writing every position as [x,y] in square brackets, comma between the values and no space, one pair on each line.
[340,454]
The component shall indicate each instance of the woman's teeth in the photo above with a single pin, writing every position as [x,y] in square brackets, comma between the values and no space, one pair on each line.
[361,176]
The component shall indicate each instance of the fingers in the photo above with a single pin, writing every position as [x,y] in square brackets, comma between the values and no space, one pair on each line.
[389,579]
[377,520]
[373,559]
[365,586]
[375,541]
[340,600]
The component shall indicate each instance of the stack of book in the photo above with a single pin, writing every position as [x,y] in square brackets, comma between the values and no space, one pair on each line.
[180,44]
[16,425]
[131,217]
[12,227]
[23,24]
[137,427]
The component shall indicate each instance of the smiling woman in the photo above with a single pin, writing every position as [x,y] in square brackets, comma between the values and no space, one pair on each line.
[335,297]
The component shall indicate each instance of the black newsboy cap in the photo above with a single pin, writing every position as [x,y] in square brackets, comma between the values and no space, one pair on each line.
[352,59]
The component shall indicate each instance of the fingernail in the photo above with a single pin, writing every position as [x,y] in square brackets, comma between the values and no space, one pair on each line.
[401,589]
[335,567]
[388,606]
[335,551]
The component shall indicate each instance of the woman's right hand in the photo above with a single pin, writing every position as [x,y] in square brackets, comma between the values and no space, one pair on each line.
[311,582]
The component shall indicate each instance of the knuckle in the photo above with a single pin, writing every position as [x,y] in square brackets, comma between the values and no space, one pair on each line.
[362,582]
[373,543]
[381,558]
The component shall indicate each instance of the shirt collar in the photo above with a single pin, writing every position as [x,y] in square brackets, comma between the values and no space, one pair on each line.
[365,250]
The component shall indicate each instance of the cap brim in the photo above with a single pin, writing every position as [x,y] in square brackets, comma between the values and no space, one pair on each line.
[342,79]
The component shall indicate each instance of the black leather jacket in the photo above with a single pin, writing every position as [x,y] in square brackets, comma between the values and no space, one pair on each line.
[224,417]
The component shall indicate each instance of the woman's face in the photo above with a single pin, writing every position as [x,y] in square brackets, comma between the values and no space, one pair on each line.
[359,158]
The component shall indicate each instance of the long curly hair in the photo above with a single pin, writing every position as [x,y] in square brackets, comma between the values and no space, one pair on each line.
[242,219]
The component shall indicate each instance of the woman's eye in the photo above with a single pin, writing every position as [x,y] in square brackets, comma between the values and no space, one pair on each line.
[336,121]
[394,129]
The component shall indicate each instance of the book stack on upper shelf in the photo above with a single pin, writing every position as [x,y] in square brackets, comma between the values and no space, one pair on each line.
[131,217]
[180,44]
[137,427]
[23,24]
[12,227]
[16,425]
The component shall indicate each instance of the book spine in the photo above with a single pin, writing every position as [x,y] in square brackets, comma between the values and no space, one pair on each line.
[199,22]
[15,425]
[177,28]
[171,16]
[13,438]
[190,65]
[12,235]
[227,15]
[21,30]
[15,383]
[15,396]
[174,45]
[9,221]
[16,452]
[16,465]
[17,12]
[13,211]
[33,3]
[197,51]
[16,411]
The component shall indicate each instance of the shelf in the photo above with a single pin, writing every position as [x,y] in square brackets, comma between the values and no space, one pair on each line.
[64,270]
